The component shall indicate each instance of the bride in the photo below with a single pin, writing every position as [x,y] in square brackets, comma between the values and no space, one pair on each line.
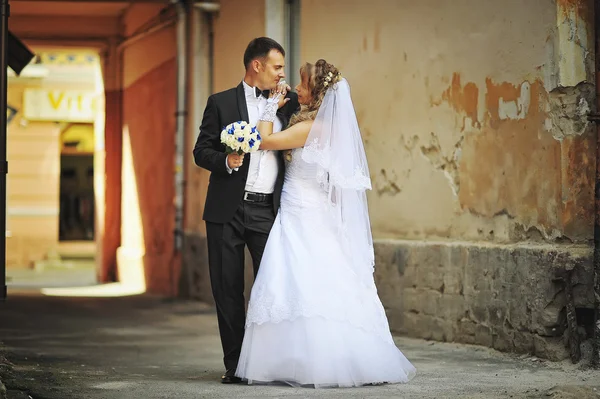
[314,316]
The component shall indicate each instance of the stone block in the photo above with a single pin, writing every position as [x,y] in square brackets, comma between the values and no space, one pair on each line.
[396,320]
[412,300]
[417,325]
[453,281]
[523,342]
[550,348]
[483,335]
[477,270]
[430,263]
[519,311]
[552,320]
[194,280]
[410,275]
[466,327]
[497,311]
[448,330]
[466,339]
[478,309]
[402,259]
[428,300]
[502,340]
[387,277]
[451,307]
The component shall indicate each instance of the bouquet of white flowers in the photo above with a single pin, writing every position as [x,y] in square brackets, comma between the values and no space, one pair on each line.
[240,138]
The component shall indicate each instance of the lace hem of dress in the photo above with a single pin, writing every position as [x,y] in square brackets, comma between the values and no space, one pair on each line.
[262,310]
[386,335]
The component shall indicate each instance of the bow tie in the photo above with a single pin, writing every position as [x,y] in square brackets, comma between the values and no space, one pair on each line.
[264,93]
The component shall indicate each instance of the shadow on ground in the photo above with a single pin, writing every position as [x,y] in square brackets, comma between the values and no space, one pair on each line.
[148,347]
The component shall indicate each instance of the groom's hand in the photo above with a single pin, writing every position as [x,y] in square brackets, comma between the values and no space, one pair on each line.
[234,161]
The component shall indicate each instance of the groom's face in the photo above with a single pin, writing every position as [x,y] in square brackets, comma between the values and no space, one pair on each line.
[270,70]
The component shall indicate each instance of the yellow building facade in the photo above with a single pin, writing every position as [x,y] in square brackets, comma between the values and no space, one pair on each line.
[54,110]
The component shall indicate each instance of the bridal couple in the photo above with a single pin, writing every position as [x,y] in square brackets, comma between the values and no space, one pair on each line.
[299,205]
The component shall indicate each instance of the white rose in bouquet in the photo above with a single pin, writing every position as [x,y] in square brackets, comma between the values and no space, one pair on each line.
[240,138]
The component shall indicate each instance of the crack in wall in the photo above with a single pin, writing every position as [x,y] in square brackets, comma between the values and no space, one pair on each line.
[448,165]
[389,185]
[409,143]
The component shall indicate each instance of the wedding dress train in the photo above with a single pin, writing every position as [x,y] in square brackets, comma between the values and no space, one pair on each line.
[312,320]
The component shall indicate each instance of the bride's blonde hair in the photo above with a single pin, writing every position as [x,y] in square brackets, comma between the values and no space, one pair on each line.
[319,78]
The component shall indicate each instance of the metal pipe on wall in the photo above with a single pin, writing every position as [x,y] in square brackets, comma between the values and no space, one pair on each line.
[209,9]
[596,264]
[4,14]
[181,116]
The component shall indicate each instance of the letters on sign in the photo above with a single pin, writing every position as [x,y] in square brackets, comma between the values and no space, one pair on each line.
[59,105]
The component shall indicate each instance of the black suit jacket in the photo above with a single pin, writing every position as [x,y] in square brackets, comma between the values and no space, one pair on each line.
[226,191]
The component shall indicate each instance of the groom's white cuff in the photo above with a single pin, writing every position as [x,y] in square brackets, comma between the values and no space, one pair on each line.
[229,170]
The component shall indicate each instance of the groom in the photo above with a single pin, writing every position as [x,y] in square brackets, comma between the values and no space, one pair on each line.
[244,191]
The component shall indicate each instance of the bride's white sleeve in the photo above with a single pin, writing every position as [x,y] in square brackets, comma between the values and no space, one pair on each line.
[270,110]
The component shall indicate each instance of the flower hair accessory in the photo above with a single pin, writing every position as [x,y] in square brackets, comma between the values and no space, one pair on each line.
[330,77]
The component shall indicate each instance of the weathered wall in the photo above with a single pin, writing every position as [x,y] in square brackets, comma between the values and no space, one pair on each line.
[230,43]
[148,128]
[468,118]
[475,133]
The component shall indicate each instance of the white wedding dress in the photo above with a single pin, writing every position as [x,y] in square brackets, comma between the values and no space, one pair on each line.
[311,319]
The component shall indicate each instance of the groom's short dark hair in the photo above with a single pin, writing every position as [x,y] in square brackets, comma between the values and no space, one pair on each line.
[260,48]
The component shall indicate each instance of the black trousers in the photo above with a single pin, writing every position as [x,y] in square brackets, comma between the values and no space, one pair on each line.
[250,226]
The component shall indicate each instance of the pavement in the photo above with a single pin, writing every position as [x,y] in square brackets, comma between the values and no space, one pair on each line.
[139,346]
[53,274]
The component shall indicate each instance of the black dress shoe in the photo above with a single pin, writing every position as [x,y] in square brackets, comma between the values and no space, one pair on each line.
[230,378]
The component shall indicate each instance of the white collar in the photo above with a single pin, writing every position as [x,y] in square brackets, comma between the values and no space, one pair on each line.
[249,91]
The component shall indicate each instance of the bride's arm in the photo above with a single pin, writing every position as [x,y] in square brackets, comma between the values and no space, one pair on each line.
[294,137]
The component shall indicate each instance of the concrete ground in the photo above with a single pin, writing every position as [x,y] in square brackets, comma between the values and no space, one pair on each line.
[57,273]
[146,347]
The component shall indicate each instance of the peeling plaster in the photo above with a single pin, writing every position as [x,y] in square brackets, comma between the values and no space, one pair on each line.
[574,38]
[568,108]
[505,101]
[550,68]
[507,167]
[464,100]
[518,108]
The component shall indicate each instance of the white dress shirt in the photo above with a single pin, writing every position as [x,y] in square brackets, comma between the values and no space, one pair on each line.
[264,167]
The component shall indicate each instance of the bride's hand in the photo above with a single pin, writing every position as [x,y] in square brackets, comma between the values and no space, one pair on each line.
[281,90]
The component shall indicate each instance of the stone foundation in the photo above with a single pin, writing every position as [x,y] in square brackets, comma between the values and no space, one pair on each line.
[195,276]
[504,297]
[500,296]
[194,282]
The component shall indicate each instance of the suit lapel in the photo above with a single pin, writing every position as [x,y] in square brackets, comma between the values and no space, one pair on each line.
[241,102]
[282,115]
[243,110]
[283,119]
